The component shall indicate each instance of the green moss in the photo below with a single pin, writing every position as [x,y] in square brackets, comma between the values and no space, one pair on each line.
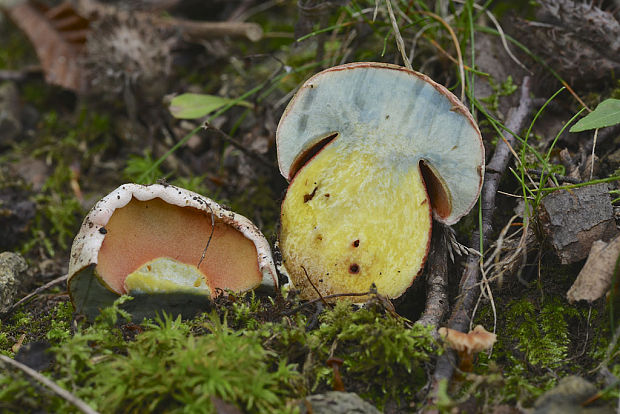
[532,349]
[541,335]
[52,324]
[505,88]
[166,368]
[58,214]
[257,353]
[136,167]
[170,370]
[68,145]
[383,358]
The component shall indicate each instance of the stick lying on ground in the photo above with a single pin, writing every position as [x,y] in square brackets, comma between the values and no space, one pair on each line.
[38,290]
[61,392]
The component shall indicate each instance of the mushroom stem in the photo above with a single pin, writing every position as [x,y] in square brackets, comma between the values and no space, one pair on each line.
[466,361]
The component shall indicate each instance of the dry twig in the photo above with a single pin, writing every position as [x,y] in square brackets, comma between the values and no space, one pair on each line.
[437,281]
[46,286]
[61,392]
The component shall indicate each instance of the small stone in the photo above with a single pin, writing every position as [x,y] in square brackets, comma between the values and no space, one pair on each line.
[12,267]
[335,402]
[567,398]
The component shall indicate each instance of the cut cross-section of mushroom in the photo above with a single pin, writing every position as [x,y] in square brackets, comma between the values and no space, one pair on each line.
[372,151]
[168,243]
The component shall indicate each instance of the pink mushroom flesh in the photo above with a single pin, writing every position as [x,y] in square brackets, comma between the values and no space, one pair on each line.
[145,230]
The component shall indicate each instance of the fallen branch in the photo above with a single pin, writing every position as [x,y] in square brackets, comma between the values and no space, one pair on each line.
[61,392]
[460,318]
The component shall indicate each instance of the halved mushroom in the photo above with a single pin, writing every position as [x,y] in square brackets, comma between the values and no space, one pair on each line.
[369,148]
[170,248]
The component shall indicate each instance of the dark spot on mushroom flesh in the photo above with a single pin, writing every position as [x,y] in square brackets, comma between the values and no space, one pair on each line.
[354,268]
[356,243]
[308,197]
[102,230]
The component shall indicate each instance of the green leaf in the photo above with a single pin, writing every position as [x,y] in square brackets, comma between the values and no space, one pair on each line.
[607,113]
[195,105]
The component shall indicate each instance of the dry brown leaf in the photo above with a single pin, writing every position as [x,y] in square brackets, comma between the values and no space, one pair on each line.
[58,35]
[596,276]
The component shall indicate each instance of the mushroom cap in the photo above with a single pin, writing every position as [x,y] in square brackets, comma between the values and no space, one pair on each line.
[479,339]
[331,361]
[147,207]
[398,114]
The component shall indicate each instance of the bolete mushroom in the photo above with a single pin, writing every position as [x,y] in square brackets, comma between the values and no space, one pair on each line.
[370,149]
[170,248]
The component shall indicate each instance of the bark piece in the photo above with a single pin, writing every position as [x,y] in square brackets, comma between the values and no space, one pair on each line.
[597,274]
[574,219]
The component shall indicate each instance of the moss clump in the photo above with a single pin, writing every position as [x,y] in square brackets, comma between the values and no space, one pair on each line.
[161,366]
[51,323]
[532,348]
[167,369]
[261,355]
[384,358]
[541,334]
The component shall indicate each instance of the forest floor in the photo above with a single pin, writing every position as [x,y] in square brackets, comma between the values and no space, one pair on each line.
[85,106]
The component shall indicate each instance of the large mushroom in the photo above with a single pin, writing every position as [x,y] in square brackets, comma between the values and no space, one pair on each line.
[170,248]
[370,150]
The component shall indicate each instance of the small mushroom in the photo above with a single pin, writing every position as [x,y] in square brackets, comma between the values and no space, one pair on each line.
[468,344]
[372,151]
[335,364]
[173,248]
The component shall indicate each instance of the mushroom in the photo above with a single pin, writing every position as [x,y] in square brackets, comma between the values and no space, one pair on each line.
[335,364]
[468,344]
[170,247]
[372,151]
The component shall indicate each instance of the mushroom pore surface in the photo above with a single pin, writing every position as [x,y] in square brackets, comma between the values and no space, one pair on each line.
[145,230]
[351,218]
